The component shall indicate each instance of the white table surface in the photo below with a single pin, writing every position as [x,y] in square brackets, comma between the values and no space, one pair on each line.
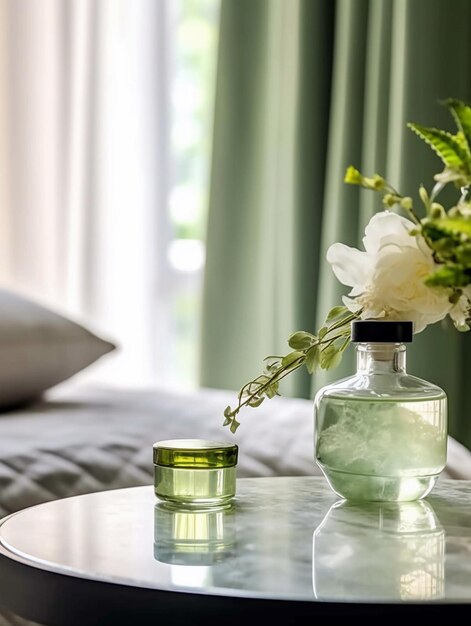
[284,538]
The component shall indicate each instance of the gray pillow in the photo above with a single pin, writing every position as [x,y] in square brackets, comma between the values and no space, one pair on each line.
[39,349]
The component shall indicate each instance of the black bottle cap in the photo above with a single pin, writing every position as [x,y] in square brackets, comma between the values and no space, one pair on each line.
[381,331]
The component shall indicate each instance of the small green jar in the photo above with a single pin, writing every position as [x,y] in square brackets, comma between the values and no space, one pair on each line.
[195,472]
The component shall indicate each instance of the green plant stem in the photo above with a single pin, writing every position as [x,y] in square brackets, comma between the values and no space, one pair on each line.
[411,212]
[343,321]
[283,372]
[275,378]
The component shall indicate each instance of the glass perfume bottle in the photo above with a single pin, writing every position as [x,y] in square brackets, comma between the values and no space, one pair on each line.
[381,435]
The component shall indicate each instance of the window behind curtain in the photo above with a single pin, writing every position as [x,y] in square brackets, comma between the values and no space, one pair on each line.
[107,109]
[192,86]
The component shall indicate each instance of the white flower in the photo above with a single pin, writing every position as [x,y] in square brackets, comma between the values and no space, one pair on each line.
[387,279]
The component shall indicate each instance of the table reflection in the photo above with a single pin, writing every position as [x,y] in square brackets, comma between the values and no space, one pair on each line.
[383,551]
[193,536]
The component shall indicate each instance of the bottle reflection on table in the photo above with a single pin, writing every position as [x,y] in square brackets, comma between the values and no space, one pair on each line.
[384,551]
[188,536]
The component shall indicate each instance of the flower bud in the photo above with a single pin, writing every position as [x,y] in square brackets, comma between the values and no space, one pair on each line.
[378,182]
[353,176]
[406,203]
[390,199]
[437,211]
[424,195]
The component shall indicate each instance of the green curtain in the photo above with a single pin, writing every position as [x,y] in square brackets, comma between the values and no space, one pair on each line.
[305,88]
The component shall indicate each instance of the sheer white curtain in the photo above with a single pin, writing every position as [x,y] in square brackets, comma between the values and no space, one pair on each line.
[84,164]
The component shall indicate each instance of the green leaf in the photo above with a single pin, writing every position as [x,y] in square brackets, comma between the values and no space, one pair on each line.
[462,114]
[312,359]
[335,312]
[447,146]
[272,390]
[234,426]
[256,402]
[291,358]
[448,276]
[330,358]
[463,254]
[227,411]
[255,385]
[461,139]
[453,226]
[227,421]
[323,331]
[270,368]
[345,344]
[335,361]
[446,247]
[301,340]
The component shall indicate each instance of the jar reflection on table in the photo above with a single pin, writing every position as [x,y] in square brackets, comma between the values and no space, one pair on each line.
[383,551]
[193,537]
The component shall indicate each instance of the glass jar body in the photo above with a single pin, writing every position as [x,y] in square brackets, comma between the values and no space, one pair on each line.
[195,472]
[195,487]
[381,435]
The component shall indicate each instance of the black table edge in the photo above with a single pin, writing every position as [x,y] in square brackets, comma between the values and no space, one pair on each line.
[64,600]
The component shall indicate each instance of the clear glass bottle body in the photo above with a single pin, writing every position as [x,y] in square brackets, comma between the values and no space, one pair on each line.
[381,435]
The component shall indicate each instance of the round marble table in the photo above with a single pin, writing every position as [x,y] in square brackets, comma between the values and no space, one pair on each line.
[287,550]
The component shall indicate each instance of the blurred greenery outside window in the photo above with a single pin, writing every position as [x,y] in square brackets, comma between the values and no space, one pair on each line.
[192,87]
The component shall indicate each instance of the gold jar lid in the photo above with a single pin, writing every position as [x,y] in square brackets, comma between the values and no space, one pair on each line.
[195,454]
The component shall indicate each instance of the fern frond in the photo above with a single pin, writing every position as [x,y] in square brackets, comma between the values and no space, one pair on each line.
[446,145]
[453,226]
[462,115]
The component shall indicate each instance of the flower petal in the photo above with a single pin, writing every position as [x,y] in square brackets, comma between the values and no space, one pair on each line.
[387,228]
[351,304]
[351,266]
